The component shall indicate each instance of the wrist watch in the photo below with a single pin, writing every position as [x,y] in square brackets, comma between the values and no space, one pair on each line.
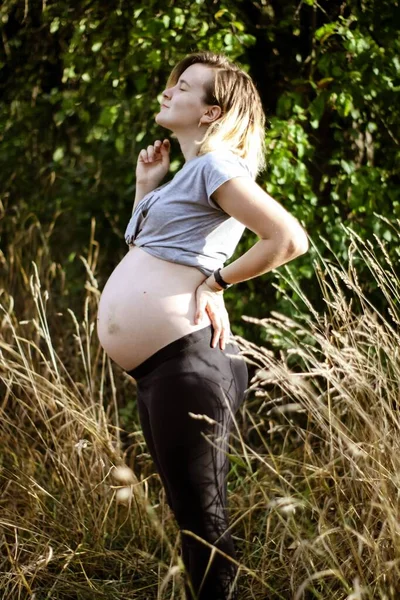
[220,281]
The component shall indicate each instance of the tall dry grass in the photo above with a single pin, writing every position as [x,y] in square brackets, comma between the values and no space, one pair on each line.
[314,484]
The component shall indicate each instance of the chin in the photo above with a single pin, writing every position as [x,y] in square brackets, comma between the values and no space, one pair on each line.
[160,121]
[159,118]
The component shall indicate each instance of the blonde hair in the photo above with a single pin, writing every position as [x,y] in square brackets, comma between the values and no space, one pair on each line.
[241,126]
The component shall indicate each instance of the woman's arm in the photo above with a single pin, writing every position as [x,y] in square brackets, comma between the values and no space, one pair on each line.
[151,168]
[282,238]
[141,191]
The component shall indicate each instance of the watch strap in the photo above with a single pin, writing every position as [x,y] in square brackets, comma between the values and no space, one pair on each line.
[220,281]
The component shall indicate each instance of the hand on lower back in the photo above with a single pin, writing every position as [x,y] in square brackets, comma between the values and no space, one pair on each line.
[212,303]
[153,163]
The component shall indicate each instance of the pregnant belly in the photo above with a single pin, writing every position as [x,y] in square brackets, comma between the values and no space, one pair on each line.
[146,304]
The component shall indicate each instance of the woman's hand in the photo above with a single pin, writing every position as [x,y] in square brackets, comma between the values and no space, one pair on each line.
[212,302]
[153,163]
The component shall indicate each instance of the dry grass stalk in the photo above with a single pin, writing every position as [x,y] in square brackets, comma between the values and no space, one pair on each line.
[314,484]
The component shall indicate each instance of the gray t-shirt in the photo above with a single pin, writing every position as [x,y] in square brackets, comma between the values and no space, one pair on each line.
[180,223]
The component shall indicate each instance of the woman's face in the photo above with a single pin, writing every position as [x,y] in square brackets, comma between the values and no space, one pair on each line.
[182,105]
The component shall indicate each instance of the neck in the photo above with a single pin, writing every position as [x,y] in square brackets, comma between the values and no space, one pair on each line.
[187,141]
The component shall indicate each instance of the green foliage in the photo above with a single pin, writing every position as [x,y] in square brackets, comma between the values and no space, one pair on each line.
[333,140]
[80,89]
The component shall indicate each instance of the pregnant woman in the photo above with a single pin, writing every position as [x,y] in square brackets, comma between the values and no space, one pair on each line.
[162,316]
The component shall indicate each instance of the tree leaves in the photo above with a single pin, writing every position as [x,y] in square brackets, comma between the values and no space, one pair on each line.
[81,84]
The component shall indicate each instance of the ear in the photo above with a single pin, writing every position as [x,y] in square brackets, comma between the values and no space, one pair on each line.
[212,114]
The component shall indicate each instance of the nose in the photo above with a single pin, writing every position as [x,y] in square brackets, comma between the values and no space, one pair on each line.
[164,97]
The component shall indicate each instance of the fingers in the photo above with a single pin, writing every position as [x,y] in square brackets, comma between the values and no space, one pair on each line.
[212,303]
[154,152]
[221,328]
[151,153]
[217,326]
[201,306]
[225,335]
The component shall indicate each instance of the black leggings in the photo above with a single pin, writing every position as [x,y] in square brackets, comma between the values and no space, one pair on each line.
[189,377]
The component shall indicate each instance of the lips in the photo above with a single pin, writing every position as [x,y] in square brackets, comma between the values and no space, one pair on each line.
[164,106]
